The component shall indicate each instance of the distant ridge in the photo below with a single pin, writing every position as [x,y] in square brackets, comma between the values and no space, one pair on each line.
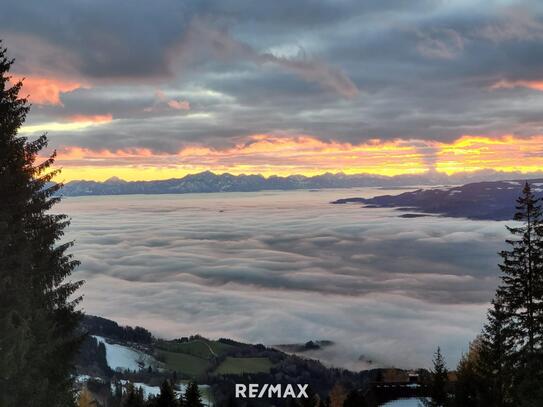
[479,200]
[210,182]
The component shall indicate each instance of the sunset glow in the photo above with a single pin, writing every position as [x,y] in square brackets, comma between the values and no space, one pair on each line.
[434,95]
[44,91]
[306,155]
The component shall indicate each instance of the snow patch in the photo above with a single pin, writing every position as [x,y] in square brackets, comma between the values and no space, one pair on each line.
[84,378]
[411,402]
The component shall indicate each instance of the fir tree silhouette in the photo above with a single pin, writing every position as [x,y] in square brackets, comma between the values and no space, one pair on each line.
[38,316]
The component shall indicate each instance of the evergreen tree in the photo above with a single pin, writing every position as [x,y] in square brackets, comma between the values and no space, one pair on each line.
[522,289]
[521,295]
[166,397]
[115,399]
[438,383]
[193,397]
[493,365]
[133,397]
[38,317]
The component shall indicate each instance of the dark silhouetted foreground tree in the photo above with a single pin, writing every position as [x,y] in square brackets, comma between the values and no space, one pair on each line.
[521,296]
[38,316]
[508,370]
[494,360]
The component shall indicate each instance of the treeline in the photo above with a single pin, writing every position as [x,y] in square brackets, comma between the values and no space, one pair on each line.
[97,393]
[104,327]
[504,364]
[130,395]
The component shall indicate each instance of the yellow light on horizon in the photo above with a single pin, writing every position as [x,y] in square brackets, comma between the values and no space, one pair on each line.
[74,123]
[305,155]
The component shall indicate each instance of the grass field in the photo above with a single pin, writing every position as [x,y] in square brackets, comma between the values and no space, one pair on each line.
[190,365]
[201,348]
[194,358]
[244,365]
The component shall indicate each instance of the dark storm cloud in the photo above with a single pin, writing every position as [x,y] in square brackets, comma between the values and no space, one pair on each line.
[348,71]
[108,40]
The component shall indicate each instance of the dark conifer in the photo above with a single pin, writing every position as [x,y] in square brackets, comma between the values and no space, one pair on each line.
[193,397]
[521,296]
[522,289]
[438,383]
[495,356]
[133,397]
[38,317]
[167,397]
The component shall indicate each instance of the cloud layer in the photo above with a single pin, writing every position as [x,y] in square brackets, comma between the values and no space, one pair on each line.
[175,74]
[258,267]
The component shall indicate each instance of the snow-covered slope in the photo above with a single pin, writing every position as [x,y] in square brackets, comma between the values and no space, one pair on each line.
[120,357]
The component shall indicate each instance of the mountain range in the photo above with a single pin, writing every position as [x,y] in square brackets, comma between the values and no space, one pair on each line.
[210,182]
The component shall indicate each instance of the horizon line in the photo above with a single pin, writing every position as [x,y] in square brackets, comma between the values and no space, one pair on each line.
[489,171]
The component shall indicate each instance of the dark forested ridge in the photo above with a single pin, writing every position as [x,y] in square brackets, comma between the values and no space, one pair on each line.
[481,200]
[110,329]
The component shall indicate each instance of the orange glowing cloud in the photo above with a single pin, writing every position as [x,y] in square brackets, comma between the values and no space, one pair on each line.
[43,90]
[97,118]
[287,155]
[503,84]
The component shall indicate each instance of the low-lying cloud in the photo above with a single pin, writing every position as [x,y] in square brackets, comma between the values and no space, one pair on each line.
[288,267]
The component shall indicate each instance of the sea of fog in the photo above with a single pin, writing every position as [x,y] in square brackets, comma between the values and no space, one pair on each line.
[288,267]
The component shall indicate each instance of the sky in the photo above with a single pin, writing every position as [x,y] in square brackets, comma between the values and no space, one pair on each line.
[154,90]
